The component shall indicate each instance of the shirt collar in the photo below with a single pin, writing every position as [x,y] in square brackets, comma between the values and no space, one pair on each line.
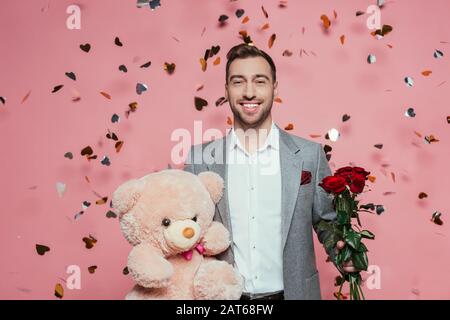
[272,140]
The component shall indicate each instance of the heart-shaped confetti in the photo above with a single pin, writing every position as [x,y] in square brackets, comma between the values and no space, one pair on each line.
[239,12]
[422,195]
[140,88]
[86,204]
[200,103]
[409,81]
[117,42]
[41,249]
[68,155]
[371,59]
[223,18]
[154,4]
[290,126]
[92,269]
[436,218]
[105,161]
[438,54]
[169,67]
[146,65]
[57,88]
[89,242]
[410,113]
[345,117]
[59,291]
[71,75]
[85,47]
[115,118]
[123,68]
[87,151]
[111,214]
[60,188]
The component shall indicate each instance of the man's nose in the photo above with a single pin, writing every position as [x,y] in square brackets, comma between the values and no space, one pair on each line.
[249,92]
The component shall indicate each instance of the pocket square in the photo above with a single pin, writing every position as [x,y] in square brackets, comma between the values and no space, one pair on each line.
[306,177]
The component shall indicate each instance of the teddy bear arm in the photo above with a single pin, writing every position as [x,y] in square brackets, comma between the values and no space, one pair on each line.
[216,239]
[148,267]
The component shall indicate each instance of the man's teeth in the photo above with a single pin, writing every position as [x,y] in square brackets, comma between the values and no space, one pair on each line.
[250,105]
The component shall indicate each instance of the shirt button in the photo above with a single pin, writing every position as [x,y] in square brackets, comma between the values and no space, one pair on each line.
[253,217]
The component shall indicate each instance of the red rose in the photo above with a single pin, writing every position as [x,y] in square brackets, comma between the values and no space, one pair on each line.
[333,184]
[345,172]
[358,183]
[361,171]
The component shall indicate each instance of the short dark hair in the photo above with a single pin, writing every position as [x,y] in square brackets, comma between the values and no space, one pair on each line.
[242,51]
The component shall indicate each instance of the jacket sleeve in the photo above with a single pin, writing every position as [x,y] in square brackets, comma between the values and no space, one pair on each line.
[322,203]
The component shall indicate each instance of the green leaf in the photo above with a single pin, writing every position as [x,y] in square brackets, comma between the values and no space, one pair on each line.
[367,234]
[353,239]
[360,260]
[346,253]
[362,248]
[342,217]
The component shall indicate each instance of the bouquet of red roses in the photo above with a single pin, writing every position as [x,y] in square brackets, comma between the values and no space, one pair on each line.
[345,185]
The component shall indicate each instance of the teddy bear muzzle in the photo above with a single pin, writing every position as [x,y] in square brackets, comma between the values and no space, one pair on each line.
[183,234]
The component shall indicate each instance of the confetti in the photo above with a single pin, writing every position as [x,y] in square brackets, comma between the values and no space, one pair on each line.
[380,33]
[221,101]
[265,12]
[246,19]
[378,146]
[410,113]
[345,117]
[272,40]
[239,13]
[290,126]
[372,178]
[71,75]
[436,218]
[438,54]
[223,18]
[61,189]
[25,98]
[78,215]
[287,53]
[117,42]
[217,61]
[115,118]
[59,291]
[333,134]
[92,269]
[169,67]
[448,119]
[68,155]
[118,146]
[245,37]
[123,68]
[41,249]
[155,4]
[278,100]
[265,26]
[146,65]
[342,38]
[141,87]
[105,161]
[106,95]
[315,135]
[379,209]
[85,47]
[409,81]
[429,139]
[371,59]
[57,88]
[359,13]
[3,100]
[325,21]
[111,214]
[200,103]
[103,200]
[426,73]
[423,195]
[112,136]
[203,64]
[89,242]
[86,204]
[282,4]
[87,151]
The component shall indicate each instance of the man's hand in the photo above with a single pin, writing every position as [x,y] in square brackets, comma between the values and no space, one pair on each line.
[347,267]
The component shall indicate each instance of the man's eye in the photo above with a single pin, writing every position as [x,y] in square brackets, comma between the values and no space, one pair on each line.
[166,222]
[260,82]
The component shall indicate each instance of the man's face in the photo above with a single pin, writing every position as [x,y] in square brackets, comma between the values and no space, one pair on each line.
[250,90]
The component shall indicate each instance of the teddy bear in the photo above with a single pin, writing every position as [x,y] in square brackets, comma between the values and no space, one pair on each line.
[167,217]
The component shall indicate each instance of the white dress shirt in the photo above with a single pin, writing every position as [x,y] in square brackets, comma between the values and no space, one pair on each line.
[254,195]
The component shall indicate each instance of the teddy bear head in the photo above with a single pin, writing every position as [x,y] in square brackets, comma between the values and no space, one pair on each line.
[170,210]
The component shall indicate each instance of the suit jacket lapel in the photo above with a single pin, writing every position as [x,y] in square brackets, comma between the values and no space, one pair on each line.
[291,167]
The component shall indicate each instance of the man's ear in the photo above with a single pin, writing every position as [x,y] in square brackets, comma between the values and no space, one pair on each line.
[226,91]
[275,89]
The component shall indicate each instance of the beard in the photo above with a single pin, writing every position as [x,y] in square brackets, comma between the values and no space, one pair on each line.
[251,123]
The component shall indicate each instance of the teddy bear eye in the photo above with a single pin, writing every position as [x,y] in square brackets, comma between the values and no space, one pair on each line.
[166,222]
[194,219]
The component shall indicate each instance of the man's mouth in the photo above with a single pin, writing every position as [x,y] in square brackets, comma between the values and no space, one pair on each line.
[250,107]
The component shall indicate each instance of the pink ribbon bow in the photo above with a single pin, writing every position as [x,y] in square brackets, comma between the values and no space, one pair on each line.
[188,254]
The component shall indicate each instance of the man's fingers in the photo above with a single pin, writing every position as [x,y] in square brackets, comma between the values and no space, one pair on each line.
[340,244]
[349,269]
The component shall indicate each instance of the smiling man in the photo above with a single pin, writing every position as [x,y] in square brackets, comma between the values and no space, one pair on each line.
[272,200]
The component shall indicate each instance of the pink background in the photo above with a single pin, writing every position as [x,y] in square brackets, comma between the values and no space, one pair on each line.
[37,49]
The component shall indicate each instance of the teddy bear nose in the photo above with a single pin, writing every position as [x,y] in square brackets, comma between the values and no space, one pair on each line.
[188,233]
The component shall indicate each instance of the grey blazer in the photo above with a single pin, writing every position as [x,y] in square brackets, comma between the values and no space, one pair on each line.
[303,206]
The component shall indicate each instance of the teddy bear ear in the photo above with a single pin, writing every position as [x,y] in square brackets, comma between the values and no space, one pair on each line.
[213,183]
[127,195]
